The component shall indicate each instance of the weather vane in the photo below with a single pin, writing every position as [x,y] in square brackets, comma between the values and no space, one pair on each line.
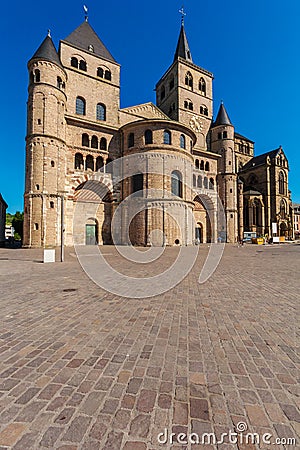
[86,12]
[183,14]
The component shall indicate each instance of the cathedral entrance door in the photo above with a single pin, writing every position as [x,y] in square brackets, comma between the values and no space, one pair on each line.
[91,235]
[198,235]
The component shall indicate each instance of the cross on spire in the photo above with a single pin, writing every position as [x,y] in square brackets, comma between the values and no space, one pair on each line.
[86,17]
[183,14]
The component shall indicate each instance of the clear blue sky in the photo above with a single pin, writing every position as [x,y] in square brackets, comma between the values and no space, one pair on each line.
[252,47]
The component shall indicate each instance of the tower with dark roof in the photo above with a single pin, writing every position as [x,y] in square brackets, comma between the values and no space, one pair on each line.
[222,143]
[45,144]
[184,92]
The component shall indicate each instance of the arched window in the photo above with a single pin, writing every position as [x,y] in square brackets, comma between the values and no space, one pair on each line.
[107,75]
[176,183]
[148,137]
[207,166]
[99,163]
[194,180]
[189,80]
[74,62]
[211,183]
[82,65]
[202,86]
[224,134]
[282,209]
[202,165]
[182,141]
[89,162]
[172,82]
[138,183]
[80,106]
[281,183]
[35,76]
[85,141]
[59,83]
[78,161]
[131,140]
[167,137]
[103,144]
[197,163]
[94,142]
[101,112]
[199,181]
[205,111]
[162,92]
[188,104]
[100,72]
[205,183]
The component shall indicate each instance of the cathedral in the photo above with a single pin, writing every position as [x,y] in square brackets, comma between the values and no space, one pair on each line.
[170,173]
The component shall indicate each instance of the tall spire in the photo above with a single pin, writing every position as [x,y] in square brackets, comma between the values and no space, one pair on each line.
[222,117]
[183,49]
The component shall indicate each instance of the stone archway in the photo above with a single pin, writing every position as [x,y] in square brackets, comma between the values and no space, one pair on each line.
[92,212]
[205,213]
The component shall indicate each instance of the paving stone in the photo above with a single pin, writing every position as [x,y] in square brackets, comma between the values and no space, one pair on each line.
[140,426]
[201,358]
[199,408]
[114,440]
[146,400]
[51,436]
[77,429]
[10,434]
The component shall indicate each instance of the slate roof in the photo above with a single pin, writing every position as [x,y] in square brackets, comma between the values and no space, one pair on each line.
[240,136]
[222,117]
[47,51]
[84,36]
[261,159]
[183,49]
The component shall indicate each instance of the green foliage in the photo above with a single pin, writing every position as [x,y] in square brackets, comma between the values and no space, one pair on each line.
[9,218]
[17,237]
[17,223]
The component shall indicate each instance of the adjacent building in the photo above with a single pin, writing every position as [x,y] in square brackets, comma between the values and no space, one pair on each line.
[188,165]
[3,207]
[296,211]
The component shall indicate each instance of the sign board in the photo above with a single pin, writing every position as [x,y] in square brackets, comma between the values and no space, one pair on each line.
[276,239]
[274,228]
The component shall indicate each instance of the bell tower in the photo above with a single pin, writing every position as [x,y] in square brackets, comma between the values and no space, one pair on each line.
[184,92]
[45,147]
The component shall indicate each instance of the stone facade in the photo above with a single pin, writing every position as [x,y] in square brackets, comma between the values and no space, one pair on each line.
[165,172]
[296,214]
[3,207]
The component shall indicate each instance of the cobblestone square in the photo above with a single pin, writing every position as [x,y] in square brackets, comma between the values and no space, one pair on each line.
[81,368]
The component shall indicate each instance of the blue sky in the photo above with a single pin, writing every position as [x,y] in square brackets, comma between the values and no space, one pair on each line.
[252,47]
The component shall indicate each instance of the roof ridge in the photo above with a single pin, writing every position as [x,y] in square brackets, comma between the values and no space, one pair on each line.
[85,38]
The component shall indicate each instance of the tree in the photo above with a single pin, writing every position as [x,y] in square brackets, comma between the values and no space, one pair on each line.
[17,223]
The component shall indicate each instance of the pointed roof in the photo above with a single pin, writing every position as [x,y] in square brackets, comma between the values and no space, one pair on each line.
[47,51]
[222,117]
[261,159]
[183,49]
[84,36]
